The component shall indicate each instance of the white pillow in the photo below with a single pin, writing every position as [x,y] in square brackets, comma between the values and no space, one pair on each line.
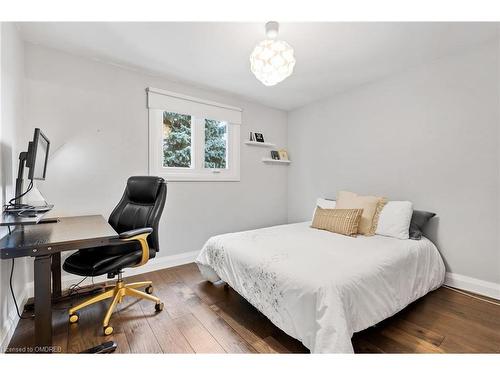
[394,220]
[324,203]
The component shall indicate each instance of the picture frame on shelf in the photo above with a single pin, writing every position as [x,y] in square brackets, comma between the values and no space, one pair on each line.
[251,138]
[275,155]
[283,154]
[259,137]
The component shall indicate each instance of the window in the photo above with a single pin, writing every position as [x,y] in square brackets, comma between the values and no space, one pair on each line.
[176,140]
[215,144]
[191,139]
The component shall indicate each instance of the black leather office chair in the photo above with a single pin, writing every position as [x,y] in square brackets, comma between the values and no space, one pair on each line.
[136,219]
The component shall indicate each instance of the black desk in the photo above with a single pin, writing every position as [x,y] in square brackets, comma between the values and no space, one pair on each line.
[44,241]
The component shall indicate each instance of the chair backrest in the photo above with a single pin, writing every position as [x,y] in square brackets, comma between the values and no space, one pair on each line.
[141,206]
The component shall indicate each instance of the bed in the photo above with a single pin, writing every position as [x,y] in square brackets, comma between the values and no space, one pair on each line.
[320,287]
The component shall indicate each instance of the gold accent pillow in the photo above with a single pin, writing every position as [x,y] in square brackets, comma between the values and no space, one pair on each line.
[337,221]
[372,206]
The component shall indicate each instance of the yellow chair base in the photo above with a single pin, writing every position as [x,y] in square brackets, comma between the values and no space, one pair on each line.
[118,291]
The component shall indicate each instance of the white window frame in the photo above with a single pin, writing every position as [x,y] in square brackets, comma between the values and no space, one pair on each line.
[160,101]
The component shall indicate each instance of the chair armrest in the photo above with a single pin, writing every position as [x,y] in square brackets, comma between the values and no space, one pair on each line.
[140,235]
[134,232]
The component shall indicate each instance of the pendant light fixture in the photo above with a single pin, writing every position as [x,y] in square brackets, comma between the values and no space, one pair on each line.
[272,60]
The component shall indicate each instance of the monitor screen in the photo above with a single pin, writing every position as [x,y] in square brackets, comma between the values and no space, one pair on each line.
[39,155]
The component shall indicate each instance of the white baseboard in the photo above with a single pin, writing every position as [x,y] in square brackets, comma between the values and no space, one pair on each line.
[157,263]
[12,319]
[485,288]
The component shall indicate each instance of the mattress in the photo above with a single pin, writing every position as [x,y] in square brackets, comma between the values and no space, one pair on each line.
[320,287]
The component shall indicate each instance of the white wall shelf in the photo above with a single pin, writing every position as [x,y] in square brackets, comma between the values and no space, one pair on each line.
[273,161]
[260,144]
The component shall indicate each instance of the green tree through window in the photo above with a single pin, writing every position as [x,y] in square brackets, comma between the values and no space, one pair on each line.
[215,144]
[176,140]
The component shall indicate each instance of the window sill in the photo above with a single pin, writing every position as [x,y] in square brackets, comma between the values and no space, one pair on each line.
[202,177]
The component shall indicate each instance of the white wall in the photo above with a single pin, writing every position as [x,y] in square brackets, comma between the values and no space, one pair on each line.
[96,118]
[11,107]
[429,135]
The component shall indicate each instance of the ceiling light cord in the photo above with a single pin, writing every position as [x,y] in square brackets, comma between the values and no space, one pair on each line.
[272,29]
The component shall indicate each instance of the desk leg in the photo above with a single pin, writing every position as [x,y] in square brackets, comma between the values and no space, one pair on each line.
[43,305]
[56,276]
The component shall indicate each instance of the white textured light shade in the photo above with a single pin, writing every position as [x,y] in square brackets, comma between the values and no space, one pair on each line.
[272,61]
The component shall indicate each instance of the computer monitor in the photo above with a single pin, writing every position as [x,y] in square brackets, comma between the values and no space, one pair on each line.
[35,159]
[38,154]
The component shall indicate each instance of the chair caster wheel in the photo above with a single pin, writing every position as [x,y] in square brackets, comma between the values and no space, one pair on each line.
[108,330]
[159,307]
[73,318]
[149,289]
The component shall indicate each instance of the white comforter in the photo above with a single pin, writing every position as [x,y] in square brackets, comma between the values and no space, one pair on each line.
[321,287]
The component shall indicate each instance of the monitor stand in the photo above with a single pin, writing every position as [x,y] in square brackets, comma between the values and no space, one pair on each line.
[23,156]
[14,219]
[37,209]
[22,215]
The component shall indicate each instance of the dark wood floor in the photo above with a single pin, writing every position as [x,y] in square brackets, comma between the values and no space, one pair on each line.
[202,318]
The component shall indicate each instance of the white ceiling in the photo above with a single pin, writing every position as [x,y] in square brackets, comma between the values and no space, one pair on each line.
[331,57]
